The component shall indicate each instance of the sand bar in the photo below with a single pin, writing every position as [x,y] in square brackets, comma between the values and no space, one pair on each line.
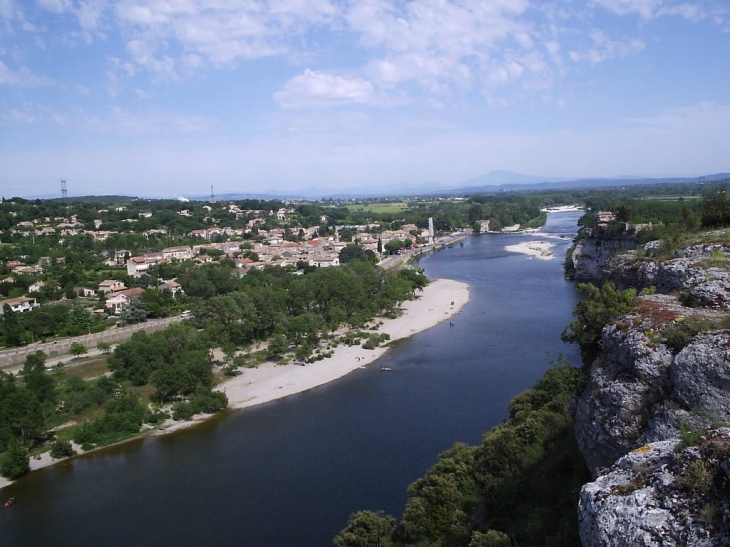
[438,302]
[538,249]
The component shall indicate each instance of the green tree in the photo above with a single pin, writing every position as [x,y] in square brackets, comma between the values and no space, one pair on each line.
[597,308]
[80,318]
[367,529]
[352,252]
[14,462]
[104,347]
[12,329]
[35,377]
[134,312]
[77,349]
[277,346]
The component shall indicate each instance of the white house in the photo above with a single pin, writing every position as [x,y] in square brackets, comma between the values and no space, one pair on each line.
[19,304]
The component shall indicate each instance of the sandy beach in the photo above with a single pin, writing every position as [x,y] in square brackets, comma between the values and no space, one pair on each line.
[438,302]
[537,249]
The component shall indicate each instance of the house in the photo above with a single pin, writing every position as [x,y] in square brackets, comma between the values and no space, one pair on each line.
[37,286]
[173,286]
[138,265]
[121,256]
[180,253]
[83,291]
[117,301]
[111,285]
[325,261]
[19,304]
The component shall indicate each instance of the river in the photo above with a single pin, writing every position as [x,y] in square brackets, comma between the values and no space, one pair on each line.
[289,473]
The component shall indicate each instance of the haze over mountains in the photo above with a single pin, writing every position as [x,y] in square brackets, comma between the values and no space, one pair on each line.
[494,181]
[491,182]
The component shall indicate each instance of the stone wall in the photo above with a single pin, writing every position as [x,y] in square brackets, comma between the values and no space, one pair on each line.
[58,348]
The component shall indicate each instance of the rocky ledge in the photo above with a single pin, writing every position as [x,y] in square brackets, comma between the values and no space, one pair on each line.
[661,494]
[657,383]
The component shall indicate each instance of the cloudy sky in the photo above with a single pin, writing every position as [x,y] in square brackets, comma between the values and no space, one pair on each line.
[169,97]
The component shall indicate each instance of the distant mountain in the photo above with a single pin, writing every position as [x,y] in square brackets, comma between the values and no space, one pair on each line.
[501,177]
[495,181]
[560,184]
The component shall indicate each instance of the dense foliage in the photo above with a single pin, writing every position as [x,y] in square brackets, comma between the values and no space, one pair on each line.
[300,308]
[519,487]
[598,307]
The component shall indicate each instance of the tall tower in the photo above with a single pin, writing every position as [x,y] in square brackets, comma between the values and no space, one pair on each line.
[430,230]
[212,195]
[64,190]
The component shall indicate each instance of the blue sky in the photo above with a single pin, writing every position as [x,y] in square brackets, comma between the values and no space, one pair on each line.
[168,97]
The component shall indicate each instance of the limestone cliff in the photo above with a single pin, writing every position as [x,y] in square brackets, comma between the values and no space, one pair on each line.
[648,389]
[593,250]
[661,494]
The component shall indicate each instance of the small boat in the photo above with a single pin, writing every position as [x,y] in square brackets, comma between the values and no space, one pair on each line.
[385,369]
[9,502]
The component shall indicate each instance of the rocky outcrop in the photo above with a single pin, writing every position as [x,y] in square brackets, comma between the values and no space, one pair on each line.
[658,495]
[624,385]
[638,392]
[701,376]
[650,386]
[592,251]
[687,272]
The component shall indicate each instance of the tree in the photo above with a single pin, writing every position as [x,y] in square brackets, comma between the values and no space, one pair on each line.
[80,318]
[597,308]
[490,538]
[393,246]
[134,312]
[35,377]
[352,252]
[12,328]
[366,529]
[278,346]
[104,347]
[14,462]
[77,349]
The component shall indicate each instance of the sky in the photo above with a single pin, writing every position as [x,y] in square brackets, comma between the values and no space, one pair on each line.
[166,98]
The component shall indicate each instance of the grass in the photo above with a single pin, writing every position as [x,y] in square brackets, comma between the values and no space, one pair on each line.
[390,207]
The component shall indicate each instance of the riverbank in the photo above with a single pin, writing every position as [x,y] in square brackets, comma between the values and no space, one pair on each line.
[438,302]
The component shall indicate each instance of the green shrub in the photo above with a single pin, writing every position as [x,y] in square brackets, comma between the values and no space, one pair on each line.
[62,449]
[14,462]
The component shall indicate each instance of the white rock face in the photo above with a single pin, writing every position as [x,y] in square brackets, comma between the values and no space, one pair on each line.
[648,498]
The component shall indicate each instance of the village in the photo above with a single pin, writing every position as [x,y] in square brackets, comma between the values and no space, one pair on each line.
[255,239]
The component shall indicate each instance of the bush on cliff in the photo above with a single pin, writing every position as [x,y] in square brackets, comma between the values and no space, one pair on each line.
[599,307]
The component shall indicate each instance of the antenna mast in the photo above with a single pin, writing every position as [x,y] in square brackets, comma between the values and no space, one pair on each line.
[212,195]
[64,190]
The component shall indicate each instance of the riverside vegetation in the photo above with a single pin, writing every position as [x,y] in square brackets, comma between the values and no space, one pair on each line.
[523,484]
[54,252]
[170,373]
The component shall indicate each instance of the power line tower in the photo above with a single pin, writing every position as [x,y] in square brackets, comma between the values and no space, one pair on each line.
[64,190]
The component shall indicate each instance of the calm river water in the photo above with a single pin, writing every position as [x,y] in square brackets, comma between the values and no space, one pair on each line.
[289,473]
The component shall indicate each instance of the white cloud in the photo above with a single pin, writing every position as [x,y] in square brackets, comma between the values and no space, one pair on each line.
[56,6]
[644,8]
[223,31]
[10,10]
[604,48]
[22,77]
[319,89]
